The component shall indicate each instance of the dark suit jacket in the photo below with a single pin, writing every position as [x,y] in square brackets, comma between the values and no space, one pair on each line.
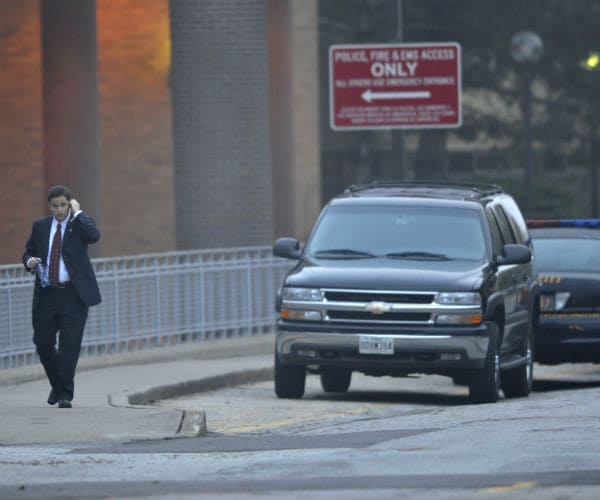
[80,232]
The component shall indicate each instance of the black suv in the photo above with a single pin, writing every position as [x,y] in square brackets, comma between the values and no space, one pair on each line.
[403,278]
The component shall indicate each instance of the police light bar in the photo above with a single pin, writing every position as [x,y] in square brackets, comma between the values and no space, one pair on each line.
[563,223]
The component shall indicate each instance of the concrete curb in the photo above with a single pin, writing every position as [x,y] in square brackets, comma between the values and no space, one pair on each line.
[193,423]
[153,394]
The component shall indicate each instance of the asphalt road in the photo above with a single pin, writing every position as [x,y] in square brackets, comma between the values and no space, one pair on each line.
[400,438]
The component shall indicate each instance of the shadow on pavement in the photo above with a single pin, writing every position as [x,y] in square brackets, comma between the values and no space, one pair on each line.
[564,385]
[423,398]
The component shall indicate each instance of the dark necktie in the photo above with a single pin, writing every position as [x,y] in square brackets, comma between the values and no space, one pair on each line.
[55,257]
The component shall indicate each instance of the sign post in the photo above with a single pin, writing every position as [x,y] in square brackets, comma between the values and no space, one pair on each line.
[395,86]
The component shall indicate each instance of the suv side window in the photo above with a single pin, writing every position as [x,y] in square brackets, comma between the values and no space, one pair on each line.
[515,218]
[497,242]
[507,233]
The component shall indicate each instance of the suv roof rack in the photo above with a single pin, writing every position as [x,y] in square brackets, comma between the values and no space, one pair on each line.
[468,189]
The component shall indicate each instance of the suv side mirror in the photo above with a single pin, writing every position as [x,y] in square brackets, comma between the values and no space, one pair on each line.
[288,248]
[514,254]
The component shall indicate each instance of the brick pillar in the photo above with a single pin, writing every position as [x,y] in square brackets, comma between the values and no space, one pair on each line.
[220,103]
[70,98]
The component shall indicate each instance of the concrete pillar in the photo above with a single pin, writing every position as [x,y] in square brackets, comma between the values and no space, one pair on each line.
[294,84]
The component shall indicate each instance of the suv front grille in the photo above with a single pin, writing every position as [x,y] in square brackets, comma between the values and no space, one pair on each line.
[354,306]
[367,316]
[383,307]
[359,296]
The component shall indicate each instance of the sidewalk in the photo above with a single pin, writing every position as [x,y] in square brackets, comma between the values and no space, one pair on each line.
[113,394]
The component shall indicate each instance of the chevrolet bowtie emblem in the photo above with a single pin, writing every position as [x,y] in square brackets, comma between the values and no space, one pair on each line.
[378,307]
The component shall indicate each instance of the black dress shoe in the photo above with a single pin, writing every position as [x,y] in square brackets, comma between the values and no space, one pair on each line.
[64,403]
[52,398]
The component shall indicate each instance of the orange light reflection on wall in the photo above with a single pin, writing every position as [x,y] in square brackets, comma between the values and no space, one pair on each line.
[135,126]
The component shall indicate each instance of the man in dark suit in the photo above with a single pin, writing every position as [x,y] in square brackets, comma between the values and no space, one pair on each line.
[61,299]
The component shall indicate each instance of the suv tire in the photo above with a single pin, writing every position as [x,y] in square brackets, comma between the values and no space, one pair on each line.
[517,382]
[289,380]
[335,379]
[484,384]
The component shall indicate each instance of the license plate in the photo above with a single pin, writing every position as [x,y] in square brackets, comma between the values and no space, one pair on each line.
[370,344]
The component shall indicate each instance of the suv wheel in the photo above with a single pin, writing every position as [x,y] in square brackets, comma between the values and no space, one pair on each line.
[484,385]
[289,379]
[335,379]
[517,382]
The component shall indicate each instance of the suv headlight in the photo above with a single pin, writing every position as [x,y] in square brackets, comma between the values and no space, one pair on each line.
[458,298]
[553,301]
[296,294]
[301,315]
[459,319]
[302,294]
[466,299]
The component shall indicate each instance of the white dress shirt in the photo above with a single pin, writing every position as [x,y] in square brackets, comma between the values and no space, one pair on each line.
[63,274]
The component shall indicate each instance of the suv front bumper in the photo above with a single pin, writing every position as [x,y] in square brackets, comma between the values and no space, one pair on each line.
[567,338]
[419,350]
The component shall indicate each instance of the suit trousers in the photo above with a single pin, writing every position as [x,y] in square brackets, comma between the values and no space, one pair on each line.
[59,311]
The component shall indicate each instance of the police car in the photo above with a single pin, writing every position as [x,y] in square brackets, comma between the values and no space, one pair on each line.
[567,264]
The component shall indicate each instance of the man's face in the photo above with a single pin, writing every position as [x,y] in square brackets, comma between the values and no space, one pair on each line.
[59,207]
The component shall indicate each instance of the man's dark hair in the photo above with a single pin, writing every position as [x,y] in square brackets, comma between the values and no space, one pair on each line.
[56,191]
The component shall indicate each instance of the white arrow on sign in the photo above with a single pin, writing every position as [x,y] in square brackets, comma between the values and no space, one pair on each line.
[369,96]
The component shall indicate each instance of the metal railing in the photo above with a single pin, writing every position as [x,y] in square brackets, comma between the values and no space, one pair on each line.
[154,300]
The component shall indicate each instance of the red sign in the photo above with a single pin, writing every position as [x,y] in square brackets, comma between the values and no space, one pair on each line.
[395,86]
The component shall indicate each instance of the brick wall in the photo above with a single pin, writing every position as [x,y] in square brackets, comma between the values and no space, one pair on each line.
[220,99]
[203,155]
[21,172]
[136,152]
[135,187]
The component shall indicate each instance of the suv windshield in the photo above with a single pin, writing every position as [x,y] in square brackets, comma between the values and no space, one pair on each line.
[398,232]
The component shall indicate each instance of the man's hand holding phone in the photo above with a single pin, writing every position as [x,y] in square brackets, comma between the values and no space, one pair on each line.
[75,206]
